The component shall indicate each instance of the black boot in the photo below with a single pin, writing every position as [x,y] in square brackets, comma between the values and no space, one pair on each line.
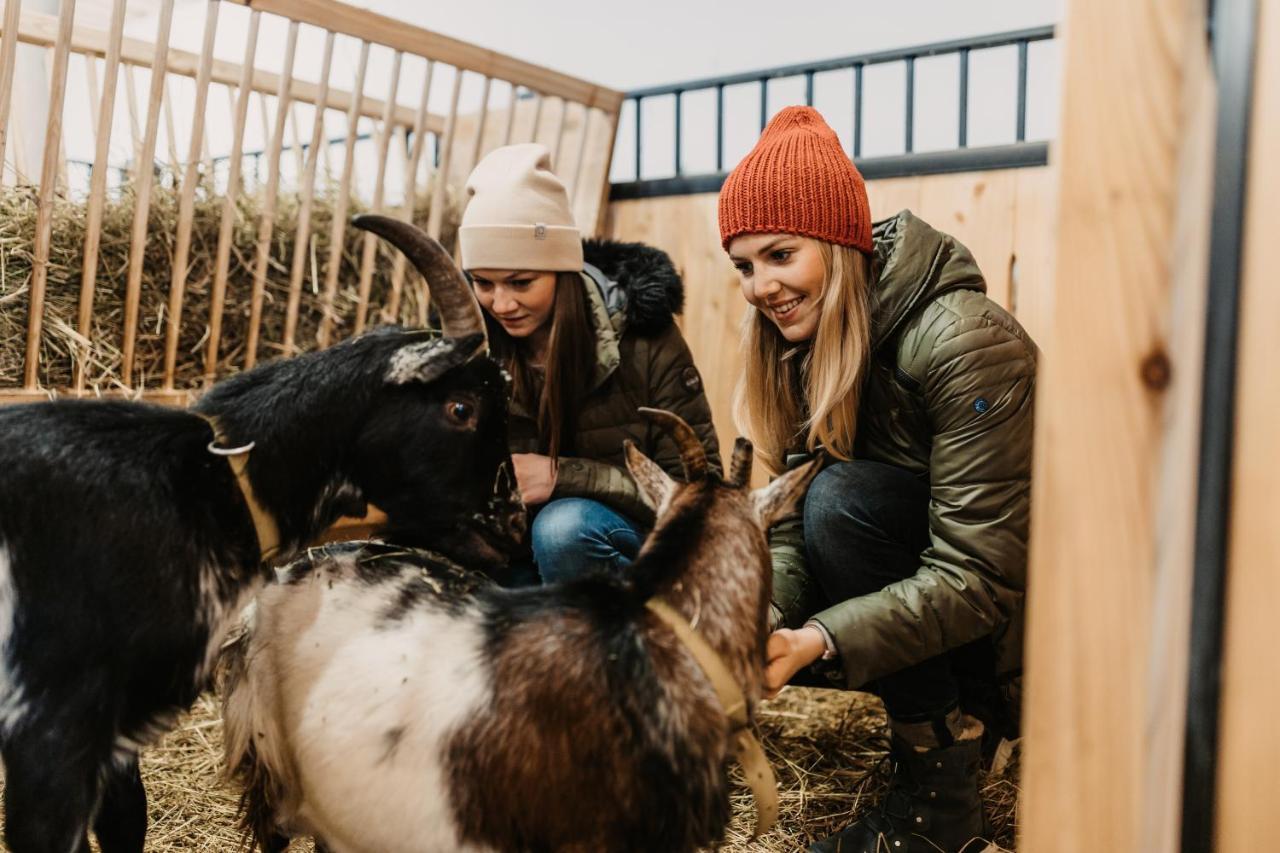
[932,805]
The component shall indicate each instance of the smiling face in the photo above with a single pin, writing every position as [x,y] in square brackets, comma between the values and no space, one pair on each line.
[782,275]
[520,300]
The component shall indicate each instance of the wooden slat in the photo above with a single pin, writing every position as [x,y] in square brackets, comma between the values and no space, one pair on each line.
[186,204]
[338,228]
[584,132]
[511,114]
[370,247]
[44,209]
[399,35]
[592,219]
[267,218]
[299,158]
[1105,446]
[1248,775]
[557,136]
[142,196]
[171,132]
[135,128]
[35,28]
[14,396]
[435,219]
[537,116]
[98,189]
[410,195]
[91,86]
[307,180]
[477,147]
[218,295]
[8,57]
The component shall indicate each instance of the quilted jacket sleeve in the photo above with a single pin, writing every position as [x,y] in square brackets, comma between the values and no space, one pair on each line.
[979,391]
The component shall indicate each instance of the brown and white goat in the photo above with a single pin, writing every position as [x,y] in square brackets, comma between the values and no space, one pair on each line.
[386,701]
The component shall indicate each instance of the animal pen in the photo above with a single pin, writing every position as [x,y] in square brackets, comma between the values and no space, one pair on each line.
[1134,246]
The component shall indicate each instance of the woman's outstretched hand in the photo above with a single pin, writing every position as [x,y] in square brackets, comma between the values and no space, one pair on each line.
[787,652]
[536,476]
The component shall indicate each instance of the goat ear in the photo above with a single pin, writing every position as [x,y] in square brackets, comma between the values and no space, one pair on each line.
[655,485]
[782,496]
[429,360]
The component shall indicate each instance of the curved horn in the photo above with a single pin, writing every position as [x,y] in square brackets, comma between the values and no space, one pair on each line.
[740,464]
[693,456]
[459,312]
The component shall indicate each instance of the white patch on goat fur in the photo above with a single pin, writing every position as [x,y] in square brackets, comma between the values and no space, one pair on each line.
[407,362]
[367,704]
[12,704]
[218,615]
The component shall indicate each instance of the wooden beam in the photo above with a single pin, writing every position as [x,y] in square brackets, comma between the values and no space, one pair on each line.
[13,396]
[1111,423]
[399,35]
[8,57]
[35,28]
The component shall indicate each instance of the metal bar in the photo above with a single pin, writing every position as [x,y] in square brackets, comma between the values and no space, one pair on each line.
[911,105]
[679,168]
[857,110]
[764,103]
[307,182]
[267,216]
[637,103]
[338,227]
[964,99]
[808,88]
[186,204]
[370,247]
[1020,155]
[1234,46]
[98,190]
[877,58]
[142,195]
[44,199]
[217,298]
[1022,91]
[719,128]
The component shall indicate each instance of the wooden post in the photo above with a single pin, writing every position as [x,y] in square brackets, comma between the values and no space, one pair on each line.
[142,199]
[477,147]
[307,180]
[418,145]
[1115,434]
[1248,776]
[98,189]
[267,221]
[511,114]
[8,56]
[435,219]
[91,86]
[227,226]
[44,209]
[338,228]
[585,131]
[186,204]
[370,247]
[557,136]
[135,128]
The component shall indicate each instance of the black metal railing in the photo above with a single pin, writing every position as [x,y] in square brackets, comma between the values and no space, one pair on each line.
[962,158]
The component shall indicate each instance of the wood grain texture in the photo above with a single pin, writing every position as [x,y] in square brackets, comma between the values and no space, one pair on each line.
[1249,775]
[1102,443]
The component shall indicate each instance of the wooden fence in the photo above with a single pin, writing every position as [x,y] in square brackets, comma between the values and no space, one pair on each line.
[575,118]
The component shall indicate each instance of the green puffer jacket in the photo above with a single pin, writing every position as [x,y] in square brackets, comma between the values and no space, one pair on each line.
[641,360]
[938,347]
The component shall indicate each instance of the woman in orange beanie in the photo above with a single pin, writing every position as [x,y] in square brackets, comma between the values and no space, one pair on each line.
[876,343]
[586,330]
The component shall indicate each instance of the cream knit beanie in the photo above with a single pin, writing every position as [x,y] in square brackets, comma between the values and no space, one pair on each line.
[518,215]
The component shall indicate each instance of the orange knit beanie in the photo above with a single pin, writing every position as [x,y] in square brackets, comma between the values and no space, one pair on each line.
[797,180]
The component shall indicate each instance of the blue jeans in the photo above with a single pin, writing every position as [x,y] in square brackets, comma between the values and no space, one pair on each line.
[574,536]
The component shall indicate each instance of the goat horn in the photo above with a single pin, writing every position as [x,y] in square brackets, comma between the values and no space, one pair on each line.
[740,464]
[693,456]
[459,312]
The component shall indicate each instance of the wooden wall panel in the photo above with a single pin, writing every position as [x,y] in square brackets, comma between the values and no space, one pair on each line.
[1249,774]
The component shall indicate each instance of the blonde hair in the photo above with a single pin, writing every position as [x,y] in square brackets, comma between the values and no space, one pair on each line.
[812,390]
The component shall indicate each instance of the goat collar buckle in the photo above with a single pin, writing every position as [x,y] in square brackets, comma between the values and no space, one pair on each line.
[749,752]
[264,525]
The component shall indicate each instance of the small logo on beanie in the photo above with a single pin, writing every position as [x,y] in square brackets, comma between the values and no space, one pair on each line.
[539,231]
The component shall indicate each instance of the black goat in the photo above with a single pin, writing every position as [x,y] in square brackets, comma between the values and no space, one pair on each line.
[129,544]
[386,702]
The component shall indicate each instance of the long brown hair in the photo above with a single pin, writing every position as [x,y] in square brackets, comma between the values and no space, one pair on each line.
[570,361]
[811,391]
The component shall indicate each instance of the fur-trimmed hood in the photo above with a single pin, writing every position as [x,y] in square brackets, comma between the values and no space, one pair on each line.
[638,281]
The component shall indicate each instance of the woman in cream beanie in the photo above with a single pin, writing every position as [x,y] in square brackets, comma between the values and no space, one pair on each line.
[905,574]
[586,330]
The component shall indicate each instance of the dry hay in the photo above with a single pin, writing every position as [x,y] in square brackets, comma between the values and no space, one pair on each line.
[60,340]
[826,746]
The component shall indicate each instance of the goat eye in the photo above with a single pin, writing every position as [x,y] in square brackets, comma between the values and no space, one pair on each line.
[459,412]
